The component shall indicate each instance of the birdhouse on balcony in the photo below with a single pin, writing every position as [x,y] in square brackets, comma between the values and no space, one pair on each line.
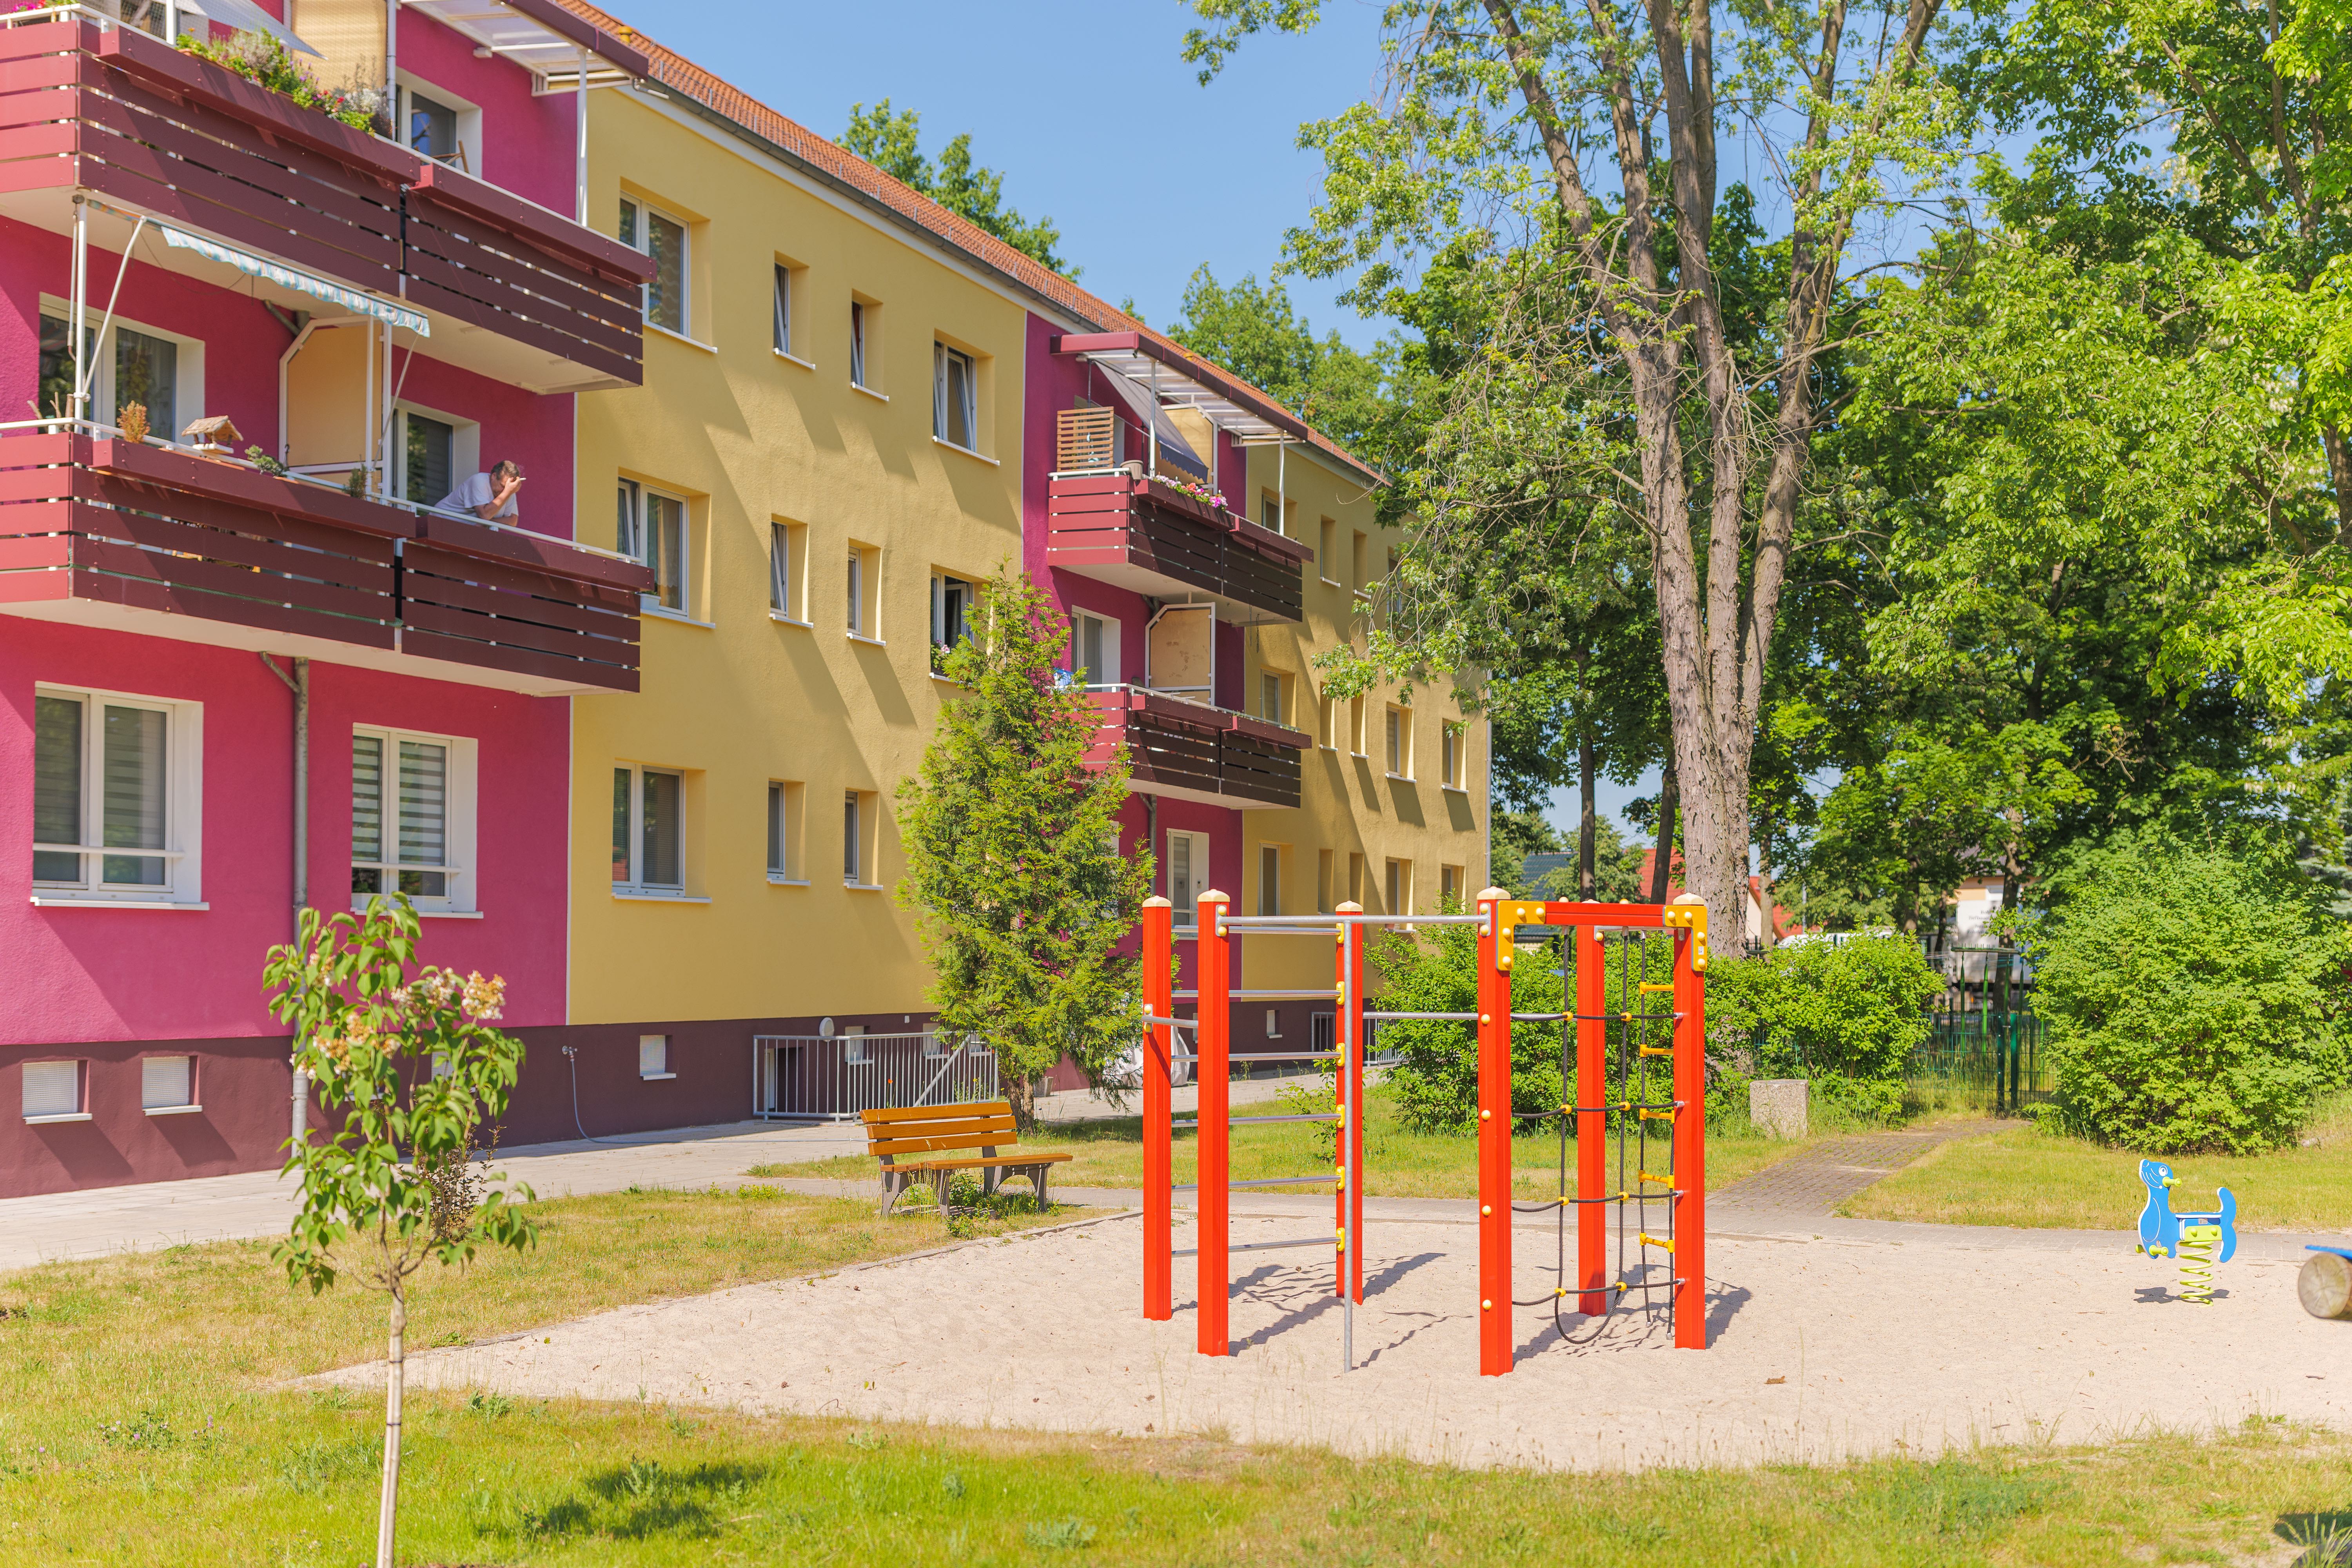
[213,434]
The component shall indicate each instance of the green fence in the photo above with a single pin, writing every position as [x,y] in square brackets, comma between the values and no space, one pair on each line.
[1986,1050]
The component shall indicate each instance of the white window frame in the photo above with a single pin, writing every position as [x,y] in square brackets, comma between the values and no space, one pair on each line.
[458,828]
[80,1111]
[861,839]
[637,215]
[780,311]
[1109,675]
[786,810]
[1187,908]
[941,582]
[1449,754]
[184,804]
[636,885]
[188,395]
[652,1058]
[465,449]
[638,543]
[1396,740]
[943,357]
[191,1102]
[860,327]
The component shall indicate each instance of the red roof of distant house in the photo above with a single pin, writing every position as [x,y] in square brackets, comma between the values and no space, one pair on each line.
[1785,923]
[682,76]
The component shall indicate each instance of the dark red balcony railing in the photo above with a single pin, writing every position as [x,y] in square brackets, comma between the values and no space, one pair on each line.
[1150,537]
[141,125]
[1193,752]
[93,529]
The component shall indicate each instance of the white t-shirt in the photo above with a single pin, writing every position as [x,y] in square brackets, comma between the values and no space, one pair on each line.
[474,493]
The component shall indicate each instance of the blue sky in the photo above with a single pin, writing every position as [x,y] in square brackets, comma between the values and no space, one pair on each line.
[1087,108]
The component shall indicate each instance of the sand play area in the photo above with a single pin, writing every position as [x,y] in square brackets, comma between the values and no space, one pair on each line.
[1848,1345]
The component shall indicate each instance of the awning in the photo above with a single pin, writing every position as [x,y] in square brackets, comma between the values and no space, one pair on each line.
[542,36]
[245,17]
[1179,381]
[1173,447]
[356,300]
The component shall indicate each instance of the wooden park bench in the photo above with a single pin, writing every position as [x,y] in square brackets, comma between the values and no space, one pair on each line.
[900,1138]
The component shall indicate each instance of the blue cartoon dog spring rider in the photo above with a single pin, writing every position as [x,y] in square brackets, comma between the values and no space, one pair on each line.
[2191,1237]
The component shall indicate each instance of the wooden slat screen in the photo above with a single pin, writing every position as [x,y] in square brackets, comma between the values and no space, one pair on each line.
[1085,439]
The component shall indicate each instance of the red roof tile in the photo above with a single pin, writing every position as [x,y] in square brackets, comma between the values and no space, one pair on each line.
[681,75]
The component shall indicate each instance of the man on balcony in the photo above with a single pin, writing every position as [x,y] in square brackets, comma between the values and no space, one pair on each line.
[490,495]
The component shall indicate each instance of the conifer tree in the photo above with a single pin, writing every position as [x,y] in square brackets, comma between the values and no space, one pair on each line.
[1013,859]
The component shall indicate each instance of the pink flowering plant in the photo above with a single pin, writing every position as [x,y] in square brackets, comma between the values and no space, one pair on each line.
[406,1060]
[1205,494]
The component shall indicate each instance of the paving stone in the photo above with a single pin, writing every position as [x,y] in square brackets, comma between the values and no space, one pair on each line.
[1816,1181]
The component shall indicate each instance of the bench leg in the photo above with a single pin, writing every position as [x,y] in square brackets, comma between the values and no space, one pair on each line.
[890,1190]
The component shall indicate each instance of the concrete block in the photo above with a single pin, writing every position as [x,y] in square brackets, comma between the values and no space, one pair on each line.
[1777,1106]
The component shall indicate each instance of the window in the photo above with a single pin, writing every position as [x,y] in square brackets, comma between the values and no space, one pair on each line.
[1269,879]
[652,528]
[786,554]
[1094,647]
[1322,881]
[432,128]
[1273,696]
[1356,566]
[1327,551]
[1322,1037]
[653,1057]
[1399,891]
[783,832]
[1273,1024]
[53,1091]
[1330,715]
[1269,511]
[412,817]
[853,1045]
[952,603]
[860,815]
[955,397]
[117,786]
[1356,880]
[1188,874]
[156,371]
[783,309]
[1449,883]
[663,237]
[1355,725]
[864,602]
[1399,742]
[1449,755]
[859,313]
[648,830]
[167,1084]
[430,447]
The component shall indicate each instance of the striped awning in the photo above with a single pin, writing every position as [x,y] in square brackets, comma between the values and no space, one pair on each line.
[356,300]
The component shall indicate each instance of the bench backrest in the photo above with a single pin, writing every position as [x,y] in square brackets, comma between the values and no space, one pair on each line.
[937,1128]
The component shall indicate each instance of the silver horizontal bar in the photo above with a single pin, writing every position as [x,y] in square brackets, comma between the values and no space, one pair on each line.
[1261,1181]
[1425,1018]
[1253,1121]
[1325,994]
[1261,1246]
[1171,1023]
[1278,1056]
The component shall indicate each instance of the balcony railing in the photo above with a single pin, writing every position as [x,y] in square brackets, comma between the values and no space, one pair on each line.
[1143,533]
[110,110]
[1189,750]
[100,531]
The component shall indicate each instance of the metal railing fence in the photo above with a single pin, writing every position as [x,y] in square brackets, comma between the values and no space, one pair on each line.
[815,1077]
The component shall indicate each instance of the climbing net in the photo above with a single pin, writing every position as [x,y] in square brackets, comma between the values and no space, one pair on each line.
[1629,1105]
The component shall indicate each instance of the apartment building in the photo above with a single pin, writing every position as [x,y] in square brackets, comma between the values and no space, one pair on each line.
[247,662]
[633,744]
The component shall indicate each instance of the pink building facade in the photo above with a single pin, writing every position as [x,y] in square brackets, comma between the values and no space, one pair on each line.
[243,673]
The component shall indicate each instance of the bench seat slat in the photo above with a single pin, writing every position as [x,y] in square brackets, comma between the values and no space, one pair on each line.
[992,1124]
[977,1164]
[897,1146]
[939,1112]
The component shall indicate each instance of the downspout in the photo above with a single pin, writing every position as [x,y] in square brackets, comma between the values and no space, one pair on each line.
[298,683]
[580,153]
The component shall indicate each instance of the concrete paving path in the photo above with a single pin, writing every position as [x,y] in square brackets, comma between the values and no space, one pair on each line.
[1817,1181]
[103,1220]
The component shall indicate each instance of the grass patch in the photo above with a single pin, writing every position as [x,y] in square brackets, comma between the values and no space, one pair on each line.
[1399,1162]
[144,1421]
[2039,1179]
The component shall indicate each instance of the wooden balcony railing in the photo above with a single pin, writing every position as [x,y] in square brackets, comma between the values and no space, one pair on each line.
[94,530]
[1193,752]
[141,125]
[1153,539]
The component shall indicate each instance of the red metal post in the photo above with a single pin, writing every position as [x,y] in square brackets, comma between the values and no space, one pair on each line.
[1352,1151]
[1690,1134]
[1592,1127]
[1158,1236]
[1340,1036]
[1494,1141]
[1213,965]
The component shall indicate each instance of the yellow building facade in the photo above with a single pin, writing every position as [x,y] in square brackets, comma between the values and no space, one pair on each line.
[855,406]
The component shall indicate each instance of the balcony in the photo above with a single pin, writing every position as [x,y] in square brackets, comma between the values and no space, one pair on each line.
[1188,751]
[1144,534]
[97,530]
[507,289]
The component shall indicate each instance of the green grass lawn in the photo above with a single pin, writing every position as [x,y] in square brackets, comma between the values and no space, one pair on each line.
[144,1420]
[1398,1162]
[2037,1179]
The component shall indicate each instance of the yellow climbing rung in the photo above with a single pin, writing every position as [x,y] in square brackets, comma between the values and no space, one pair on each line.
[1649,1240]
[1655,1050]
[1649,987]
[1649,1115]
[1663,1181]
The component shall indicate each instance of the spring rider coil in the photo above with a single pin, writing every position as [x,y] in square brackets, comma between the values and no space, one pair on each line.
[2198,1240]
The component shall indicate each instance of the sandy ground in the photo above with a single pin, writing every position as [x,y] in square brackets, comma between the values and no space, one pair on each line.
[1826,1347]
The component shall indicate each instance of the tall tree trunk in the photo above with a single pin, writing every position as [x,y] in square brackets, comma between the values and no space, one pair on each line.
[388,1510]
[1669,802]
[1588,831]
[1021,1092]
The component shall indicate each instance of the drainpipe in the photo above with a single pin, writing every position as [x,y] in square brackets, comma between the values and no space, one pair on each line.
[580,153]
[298,683]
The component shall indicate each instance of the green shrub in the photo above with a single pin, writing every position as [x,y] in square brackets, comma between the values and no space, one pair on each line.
[1847,1016]
[1437,1082]
[2194,998]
